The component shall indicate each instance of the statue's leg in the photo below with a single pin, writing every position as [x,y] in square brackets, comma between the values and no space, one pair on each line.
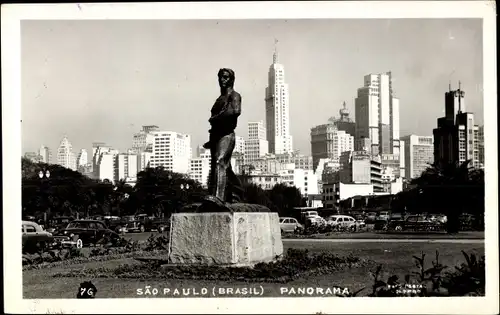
[211,176]
[235,184]
[224,150]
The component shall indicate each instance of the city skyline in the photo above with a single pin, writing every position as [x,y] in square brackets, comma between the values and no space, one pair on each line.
[110,97]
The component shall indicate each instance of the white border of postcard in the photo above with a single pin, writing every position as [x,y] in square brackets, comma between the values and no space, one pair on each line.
[11,112]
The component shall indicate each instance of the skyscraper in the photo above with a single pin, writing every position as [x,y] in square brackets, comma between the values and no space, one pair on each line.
[65,155]
[277,110]
[456,136]
[377,116]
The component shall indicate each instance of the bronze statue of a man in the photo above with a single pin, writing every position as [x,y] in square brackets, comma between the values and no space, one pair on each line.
[223,185]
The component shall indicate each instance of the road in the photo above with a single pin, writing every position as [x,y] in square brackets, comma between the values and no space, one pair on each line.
[382,240]
[367,237]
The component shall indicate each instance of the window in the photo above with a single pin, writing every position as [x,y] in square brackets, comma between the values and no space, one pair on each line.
[30,228]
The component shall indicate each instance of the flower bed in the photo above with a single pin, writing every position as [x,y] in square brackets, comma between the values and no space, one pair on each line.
[125,249]
[295,264]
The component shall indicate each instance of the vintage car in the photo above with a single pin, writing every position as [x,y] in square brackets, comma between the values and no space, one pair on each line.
[59,223]
[414,223]
[34,236]
[81,233]
[344,221]
[290,225]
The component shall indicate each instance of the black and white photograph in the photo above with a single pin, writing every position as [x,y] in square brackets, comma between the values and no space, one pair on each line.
[307,157]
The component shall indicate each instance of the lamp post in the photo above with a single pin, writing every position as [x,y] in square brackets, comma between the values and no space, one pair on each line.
[44,176]
[184,189]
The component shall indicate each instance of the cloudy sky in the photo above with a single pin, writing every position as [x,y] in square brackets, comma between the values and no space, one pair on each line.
[102,80]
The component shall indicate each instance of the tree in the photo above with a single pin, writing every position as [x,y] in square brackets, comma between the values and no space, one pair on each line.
[452,188]
[286,198]
[159,191]
[255,194]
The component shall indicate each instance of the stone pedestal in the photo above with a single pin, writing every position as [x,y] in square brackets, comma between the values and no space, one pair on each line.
[224,238]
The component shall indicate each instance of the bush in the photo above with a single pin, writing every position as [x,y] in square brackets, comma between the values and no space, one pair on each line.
[156,243]
[295,264]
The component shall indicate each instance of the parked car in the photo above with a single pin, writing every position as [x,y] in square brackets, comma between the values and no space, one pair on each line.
[290,225]
[344,221]
[81,233]
[370,217]
[442,218]
[305,214]
[149,223]
[33,236]
[132,226]
[383,215]
[59,223]
[413,222]
[315,220]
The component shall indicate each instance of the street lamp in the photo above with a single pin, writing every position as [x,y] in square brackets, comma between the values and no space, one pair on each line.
[184,189]
[44,174]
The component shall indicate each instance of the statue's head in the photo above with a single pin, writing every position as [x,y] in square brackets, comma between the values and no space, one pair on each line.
[226,78]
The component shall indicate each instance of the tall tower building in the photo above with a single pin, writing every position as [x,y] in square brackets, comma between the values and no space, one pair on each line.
[377,116]
[65,155]
[46,154]
[456,138]
[256,146]
[278,110]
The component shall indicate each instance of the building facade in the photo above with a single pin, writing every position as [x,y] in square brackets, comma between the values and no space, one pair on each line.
[46,154]
[360,167]
[305,180]
[300,161]
[278,110]
[171,150]
[256,146]
[456,138]
[239,145]
[377,115]
[419,153]
[144,139]
[480,144]
[65,156]
[328,142]
[82,159]
[126,166]
[344,123]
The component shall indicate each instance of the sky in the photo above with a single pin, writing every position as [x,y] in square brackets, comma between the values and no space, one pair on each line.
[101,80]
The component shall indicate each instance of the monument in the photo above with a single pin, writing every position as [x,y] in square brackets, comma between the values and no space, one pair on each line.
[221,230]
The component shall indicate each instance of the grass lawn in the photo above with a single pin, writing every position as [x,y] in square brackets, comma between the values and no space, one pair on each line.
[396,258]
